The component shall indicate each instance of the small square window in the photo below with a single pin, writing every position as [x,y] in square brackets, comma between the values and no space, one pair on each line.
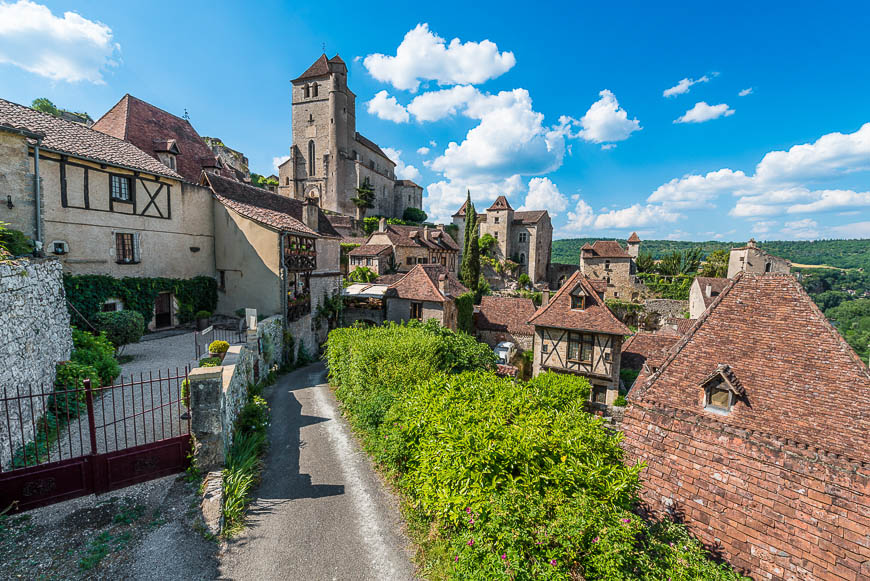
[599,394]
[417,311]
[719,399]
[126,248]
[120,187]
[495,220]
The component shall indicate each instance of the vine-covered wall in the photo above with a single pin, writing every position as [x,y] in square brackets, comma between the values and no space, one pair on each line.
[88,292]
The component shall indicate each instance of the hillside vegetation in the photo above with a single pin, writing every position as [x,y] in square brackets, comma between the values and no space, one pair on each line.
[501,479]
[836,253]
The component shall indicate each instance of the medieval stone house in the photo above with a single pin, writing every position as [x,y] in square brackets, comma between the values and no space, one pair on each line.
[103,206]
[428,291]
[703,292]
[751,258]
[410,246]
[328,158]
[379,258]
[606,260]
[754,431]
[505,319]
[576,333]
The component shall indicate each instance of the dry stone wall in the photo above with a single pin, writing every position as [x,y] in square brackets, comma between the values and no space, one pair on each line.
[34,335]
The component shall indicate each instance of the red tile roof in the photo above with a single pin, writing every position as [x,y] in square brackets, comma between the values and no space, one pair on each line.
[717,285]
[371,250]
[644,345]
[273,210]
[320,68]
[596,317]
[509,314]
[604,249]
[530,217]
[634,237]
[802,381]
[80,141]
[500,203]
[682,325]
[414,236]
[143,125]
[461,211]
[422,284]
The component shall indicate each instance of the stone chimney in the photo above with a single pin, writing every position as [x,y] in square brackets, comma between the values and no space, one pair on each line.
[442,284]
[311,213]
[751,243]
[382,225]
[709,290]
[425,232]
[545,297]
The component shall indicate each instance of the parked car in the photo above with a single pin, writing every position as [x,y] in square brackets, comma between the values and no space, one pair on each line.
[505,352]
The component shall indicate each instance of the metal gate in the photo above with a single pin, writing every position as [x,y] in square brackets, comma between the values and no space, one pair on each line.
[62,444]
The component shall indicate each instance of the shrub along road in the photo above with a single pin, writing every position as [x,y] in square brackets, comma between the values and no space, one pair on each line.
[321,511]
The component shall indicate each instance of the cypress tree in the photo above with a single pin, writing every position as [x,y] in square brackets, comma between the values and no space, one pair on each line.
[470,269]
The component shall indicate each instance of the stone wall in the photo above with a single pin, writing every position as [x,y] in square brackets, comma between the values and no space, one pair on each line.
[34,335]
[558,273]
[775,508]
[666,308]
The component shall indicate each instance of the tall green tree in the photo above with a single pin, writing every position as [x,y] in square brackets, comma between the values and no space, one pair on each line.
[469,271]
[45,106]
[716,265]
[365,199]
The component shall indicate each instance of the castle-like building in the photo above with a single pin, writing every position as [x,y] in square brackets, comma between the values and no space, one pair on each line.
[329,160]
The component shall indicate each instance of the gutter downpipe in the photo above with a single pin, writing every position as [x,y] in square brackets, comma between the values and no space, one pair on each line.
[37,195]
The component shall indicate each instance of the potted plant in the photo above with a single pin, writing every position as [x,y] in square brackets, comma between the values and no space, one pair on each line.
[218,349]
[202,318]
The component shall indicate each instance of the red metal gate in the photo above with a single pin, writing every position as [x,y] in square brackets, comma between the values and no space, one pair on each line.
[61,444]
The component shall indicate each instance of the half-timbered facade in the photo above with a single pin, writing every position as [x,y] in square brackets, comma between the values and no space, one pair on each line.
[576,333]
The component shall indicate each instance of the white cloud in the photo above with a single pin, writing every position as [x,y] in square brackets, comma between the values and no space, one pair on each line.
[578,220]
[423,55]
[853,230]
[703,112]
[444,197]
[805,228]
[277,161]
[385,106]
[683,86]
[403,171]
[423,151]
[636,215]
[510,139]
[831,200]
[745,92]
[433,143]
[69,49]
[604,121]
[544,195]
[693,191]
[763,227]
[436,105]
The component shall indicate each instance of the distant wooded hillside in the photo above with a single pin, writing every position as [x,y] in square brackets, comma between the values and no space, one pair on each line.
[837,253]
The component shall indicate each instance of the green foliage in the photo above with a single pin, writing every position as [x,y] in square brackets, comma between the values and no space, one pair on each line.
[482,289]
[716,265]
[508,479]
[98,352]
[44,105]
[329,309]
[121,327]
[628,376]
[88,292]
[243,461]
[365,197]
[370,223]
[415,215]
[852,319]
[465,312]
[620,401]
[645,262]
[345,250]
[218,347]
[14,242]
[259,181]
[525,281]
[469,271]
[202,315]
[362,274]
[486,243]
[668,287]
[676,263]
[210,362]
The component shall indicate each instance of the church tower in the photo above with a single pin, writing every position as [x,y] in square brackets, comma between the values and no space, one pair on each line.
[323,126]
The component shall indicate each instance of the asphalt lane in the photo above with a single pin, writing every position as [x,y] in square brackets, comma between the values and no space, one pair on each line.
[321,511]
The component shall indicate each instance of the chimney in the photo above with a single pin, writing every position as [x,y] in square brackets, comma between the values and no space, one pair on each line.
[442,284]
[709,290]
[311,214]
[425,232]
[442,227]
[382,225]
[545,297]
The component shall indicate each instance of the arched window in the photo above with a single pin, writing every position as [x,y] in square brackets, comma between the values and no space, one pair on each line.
[307,91]
[314,86]
[287,181]
[522,258]
[311,157]
[767,267]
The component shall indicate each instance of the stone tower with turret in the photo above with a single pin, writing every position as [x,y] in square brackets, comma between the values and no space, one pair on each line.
[328,158]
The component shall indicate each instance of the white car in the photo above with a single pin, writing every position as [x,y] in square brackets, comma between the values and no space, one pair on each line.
[505,352]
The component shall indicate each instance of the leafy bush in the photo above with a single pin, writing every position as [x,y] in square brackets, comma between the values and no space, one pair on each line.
[218,347]
[362,274]
[202,315]
[121,327]
[525,281]
[465,312]
[506,479]
[98,352]
[210,362]
[14,242]
[415,215]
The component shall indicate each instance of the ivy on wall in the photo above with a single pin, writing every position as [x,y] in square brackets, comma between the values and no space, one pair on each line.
[88,292]
[668,287]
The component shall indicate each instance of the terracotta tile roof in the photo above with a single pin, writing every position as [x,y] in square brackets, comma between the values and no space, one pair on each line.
[509,314]
[373,146]
[413,236]
[273,210]
[371,250]
[500,203]
[143,125]
[802,381]
[599,285]
[503,370]
[353,239]
[408,183]
[320,68]
[461,211]
[596,317]
[389,279]
[422,284]
[644,345]
[77,140]
[531,217]
[604,249]
[634,237]
[717,285]
[682,325]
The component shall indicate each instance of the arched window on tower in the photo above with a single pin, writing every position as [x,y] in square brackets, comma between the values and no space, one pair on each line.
[307,91]
[311,157]
[314,90]
[522,258]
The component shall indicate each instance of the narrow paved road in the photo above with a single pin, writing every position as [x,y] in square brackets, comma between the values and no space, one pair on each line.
[321,512]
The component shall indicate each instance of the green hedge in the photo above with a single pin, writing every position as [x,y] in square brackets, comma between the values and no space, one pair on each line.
[88,292]
[502,479]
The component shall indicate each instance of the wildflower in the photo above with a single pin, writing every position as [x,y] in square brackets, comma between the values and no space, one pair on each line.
[595,540]
[470,542]
[553,563]
[626,520]
[456,558]
[468,510]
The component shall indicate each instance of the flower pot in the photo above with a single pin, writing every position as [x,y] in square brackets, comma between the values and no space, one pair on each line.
[218,355]
[201,324]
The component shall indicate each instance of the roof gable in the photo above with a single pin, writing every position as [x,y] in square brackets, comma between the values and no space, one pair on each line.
[604,249]
[799,375]
[500,203]
[509,314]
[595,317]
[422,284]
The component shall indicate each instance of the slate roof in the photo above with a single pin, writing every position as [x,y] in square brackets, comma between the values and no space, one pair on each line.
[371,250]
[373,146]
[408,183]
[421,284]
[596,317]
[634,237]
[273,210]
[802,381]
[604,249]
[500,203]
[77,140]
[644,345]
[509,314]
[717,285]
[143,125]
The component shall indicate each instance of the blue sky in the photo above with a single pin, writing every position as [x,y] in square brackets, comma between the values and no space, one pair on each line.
[566,108]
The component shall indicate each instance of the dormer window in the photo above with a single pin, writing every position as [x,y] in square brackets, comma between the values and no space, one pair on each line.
[578,298]
[722,390]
